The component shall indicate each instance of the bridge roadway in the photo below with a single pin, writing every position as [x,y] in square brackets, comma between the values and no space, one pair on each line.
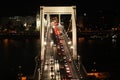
[58,63]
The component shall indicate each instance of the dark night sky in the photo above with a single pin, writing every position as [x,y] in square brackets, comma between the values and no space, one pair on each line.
[30,7]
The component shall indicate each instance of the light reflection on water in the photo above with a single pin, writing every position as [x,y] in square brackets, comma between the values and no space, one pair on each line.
[15,53]
[5,41]
[81,40]
[104,52]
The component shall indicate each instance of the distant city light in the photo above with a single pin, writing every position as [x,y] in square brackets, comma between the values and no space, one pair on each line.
[25,24]
[24,78]
[84,14]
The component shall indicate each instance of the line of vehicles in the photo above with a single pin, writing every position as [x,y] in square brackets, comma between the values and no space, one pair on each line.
[59,61]
[61,53]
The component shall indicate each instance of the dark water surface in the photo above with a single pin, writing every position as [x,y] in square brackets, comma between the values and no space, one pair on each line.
[105,54]
[21,52]
[15,53]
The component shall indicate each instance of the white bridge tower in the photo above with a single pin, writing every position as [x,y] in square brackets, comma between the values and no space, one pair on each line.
[50,10]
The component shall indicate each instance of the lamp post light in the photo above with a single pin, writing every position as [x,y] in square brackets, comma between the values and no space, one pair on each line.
[71,49]
[69,42]
[78,61]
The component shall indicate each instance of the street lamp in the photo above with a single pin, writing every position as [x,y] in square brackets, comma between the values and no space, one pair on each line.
[69,42]
[78,57]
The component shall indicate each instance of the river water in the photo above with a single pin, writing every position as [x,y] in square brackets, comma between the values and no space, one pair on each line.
[19,55]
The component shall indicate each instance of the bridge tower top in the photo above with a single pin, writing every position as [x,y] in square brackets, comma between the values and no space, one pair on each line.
[58,9]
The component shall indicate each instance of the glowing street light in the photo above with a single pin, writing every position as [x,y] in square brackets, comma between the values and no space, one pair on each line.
[69,42]
[71,47]
[45,43]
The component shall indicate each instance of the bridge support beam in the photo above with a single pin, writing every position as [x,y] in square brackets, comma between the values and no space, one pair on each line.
[42,32]
[74,34]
